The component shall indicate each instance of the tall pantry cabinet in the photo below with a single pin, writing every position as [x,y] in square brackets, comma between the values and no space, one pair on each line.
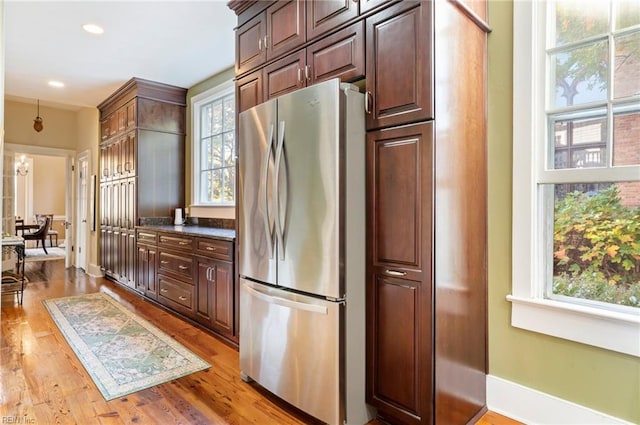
[424,79]
[141,168]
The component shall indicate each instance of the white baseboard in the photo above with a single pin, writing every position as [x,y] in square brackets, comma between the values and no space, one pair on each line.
[530,406]
[95,271]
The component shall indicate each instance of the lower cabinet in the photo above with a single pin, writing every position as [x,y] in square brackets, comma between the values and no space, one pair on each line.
[191,275]
[214,289]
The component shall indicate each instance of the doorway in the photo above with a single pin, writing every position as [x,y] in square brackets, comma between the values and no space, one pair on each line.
[45,188]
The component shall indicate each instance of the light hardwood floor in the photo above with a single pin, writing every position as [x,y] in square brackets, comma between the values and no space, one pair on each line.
[42,381]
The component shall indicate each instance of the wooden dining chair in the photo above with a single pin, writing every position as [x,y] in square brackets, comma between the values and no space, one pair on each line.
[40,234]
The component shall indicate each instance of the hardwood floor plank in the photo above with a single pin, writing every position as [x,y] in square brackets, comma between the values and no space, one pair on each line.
[43,380]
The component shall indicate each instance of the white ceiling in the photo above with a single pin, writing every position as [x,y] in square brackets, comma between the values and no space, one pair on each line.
[175,42]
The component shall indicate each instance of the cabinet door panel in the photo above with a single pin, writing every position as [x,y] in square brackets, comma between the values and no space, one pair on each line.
[284,76]
[131,118]
[222,308]
[285,27]
[339,55]
[324,15]
[250,51]
[399,288]
[399,174]
[400,359]
[249,91]
[203,292]
[400,94]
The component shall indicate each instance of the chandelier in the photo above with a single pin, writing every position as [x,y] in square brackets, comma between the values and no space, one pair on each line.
[22,166]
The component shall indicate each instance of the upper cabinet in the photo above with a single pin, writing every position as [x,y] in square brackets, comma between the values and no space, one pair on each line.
[285,27]
[398,94]
[325,15]
[270,30]
[250,38]
[275,31]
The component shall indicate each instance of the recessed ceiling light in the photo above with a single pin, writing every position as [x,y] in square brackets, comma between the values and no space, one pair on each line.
[56,83]
[93,28]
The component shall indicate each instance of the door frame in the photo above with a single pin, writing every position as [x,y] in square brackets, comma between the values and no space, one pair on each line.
[82,243]
[70,194]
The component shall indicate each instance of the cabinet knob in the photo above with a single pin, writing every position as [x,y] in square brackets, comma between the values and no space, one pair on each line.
[260,44]
[265,42]
[164,262]
[163,290]
[210,248]
[182,298]
[299,75]
[181,267]
[395,273]
[307,72]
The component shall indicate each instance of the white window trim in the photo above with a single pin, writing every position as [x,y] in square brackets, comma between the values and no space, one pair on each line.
[612,330]
[197,101]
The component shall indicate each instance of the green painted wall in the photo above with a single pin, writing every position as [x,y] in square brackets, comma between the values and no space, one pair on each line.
[605,381]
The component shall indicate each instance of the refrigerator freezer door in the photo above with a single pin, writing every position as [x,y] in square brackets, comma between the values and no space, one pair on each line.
[308,190]
[290,345]
[256,214]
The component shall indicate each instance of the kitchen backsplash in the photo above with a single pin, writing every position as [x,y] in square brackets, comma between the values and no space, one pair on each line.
[220,223]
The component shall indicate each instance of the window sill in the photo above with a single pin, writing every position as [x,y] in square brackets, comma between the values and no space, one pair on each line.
[605,329]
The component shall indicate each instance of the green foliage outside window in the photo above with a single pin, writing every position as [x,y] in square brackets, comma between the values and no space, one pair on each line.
[597,248]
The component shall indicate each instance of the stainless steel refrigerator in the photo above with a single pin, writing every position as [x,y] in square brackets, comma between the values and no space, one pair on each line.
[301,241]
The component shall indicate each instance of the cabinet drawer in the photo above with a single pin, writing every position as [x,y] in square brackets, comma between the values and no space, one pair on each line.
[176,242]
[215,248]
[147,237]
[177,292]
[180,265]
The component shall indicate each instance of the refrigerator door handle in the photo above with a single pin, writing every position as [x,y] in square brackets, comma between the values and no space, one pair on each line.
[285,302]
[276,189]
[265,202]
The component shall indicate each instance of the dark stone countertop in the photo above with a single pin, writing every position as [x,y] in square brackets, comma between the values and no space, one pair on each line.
[193,230]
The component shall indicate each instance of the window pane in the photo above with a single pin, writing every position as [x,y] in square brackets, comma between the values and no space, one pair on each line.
[579,143]
[580,19]
[596,254]
[229,114]
[216,125]
[626,73]
[216,151]
[205,154]
[205,121]
[205,186]
[626,139]
[627,13]
[216,186]
[580,75]
[230,184]
[229,149]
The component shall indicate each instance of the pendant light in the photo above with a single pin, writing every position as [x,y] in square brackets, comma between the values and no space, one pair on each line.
[37,123]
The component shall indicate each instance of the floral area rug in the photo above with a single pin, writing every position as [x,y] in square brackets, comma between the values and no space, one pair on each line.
[122,352]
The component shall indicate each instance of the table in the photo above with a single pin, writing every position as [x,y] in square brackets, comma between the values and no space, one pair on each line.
[13,282]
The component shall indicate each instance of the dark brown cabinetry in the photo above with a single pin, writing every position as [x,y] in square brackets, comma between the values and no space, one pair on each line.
[398,93]
[277,30]
[339,55]
[142,149]
[424,74]
[190,275]
[326,15]
[146,266]
[399,284]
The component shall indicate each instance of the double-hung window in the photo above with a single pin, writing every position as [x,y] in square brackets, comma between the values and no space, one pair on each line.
[214,147]
[576,171]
